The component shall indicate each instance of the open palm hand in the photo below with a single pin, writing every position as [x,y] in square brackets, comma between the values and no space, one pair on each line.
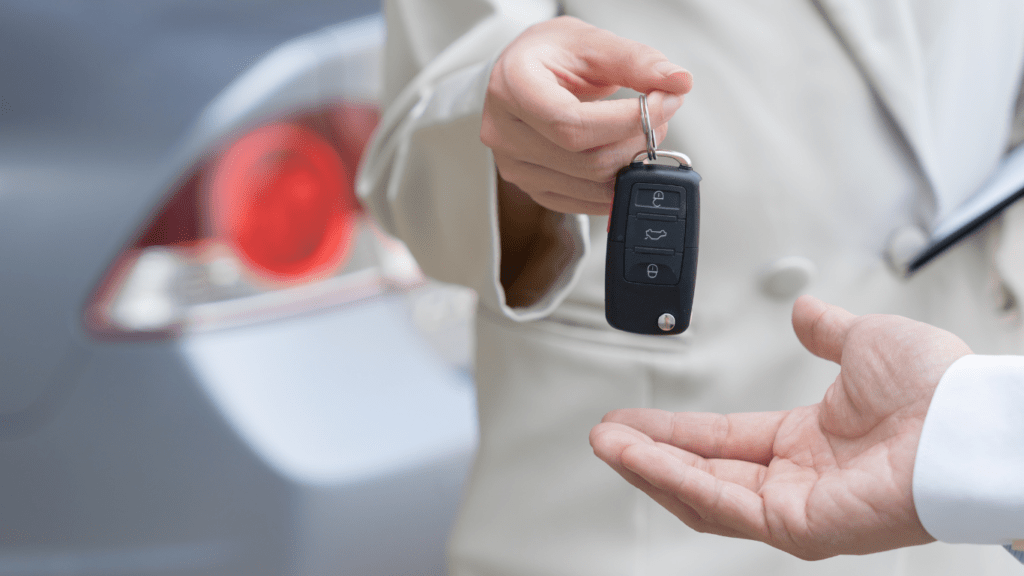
[816,481]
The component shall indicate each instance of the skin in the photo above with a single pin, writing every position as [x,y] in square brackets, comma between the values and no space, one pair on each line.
[557,143]
[816,481]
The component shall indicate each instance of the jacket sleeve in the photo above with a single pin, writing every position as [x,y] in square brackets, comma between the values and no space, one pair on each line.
[426,177]
[969,470]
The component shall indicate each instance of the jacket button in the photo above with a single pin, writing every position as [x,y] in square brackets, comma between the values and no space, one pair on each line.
[904,244]
[786,277]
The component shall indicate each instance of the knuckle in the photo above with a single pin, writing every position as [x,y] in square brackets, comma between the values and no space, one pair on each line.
[498,81]
[606,174]
[810,555]
[568,133]
[490,136]
[532,191]
[568,21]
[613,162]
[602,165]
[605,193]
[601,39]
[504,91]
[568,138]
[529,186]
[661,132]
[700,526]
[705,515]
[528,180]
[675,431]
[511,171]
[643,56]
[721,430]
[651,56]
[513,71]
[638,53]
[549,200]
[711,514]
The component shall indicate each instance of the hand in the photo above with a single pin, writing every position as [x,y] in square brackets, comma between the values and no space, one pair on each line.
[552,136]
[833,478]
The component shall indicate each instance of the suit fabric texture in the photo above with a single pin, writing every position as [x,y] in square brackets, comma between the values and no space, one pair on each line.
[821,130]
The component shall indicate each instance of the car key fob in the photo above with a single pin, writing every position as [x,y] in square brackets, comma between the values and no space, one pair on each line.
[651,264]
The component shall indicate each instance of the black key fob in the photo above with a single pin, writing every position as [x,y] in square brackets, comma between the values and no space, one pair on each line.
[651,266]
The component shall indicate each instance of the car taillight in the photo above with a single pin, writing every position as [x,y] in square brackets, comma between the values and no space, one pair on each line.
[268,225]
[282,199]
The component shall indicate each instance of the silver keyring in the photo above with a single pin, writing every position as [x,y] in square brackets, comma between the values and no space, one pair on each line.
[645,121]
[683,159]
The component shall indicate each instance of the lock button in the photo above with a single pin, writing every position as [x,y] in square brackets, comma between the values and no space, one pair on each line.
[653,266]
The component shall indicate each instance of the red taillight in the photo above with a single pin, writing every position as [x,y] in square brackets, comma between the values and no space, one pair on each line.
[267,226]
[282,199]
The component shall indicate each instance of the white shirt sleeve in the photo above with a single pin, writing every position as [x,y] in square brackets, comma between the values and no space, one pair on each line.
[969,471]
[426,177]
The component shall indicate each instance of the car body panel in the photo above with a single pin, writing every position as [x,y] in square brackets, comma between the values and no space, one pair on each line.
[330,440]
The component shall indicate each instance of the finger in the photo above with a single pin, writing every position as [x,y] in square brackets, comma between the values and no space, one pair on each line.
[556,191]
[568,205]
[534,179]
[749,475]
[821,327]
[718,502]
[511,137]
[679,509]
[609,440]
[744,436]
[549,76]
[577,126]
[602,57]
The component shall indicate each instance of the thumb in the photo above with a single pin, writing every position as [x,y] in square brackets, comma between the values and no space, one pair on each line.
[555,75]
[822,328]
[606,58]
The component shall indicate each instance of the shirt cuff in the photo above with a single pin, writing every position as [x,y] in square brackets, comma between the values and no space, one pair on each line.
[969,471]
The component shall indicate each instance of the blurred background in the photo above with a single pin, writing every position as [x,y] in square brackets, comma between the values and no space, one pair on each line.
[211,360]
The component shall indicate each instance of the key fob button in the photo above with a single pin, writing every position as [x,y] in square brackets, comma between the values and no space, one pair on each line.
[655,233]
[650,267]
[657,199]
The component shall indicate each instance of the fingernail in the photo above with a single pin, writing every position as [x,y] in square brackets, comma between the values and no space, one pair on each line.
[671,103]
[666,68]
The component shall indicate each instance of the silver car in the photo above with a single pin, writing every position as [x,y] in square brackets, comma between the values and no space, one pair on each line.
[211,360]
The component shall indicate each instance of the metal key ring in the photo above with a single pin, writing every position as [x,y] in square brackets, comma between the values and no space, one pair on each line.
[683,159]
[645,121]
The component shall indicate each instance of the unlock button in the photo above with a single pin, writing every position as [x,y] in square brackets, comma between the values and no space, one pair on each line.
[658,199]
[651,266]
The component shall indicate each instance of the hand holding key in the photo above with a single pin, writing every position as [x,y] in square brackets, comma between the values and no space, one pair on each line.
[552,135]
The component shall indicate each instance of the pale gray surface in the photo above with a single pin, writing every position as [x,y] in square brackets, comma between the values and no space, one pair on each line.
[117,459]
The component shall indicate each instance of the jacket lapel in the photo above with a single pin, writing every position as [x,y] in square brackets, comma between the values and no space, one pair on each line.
[948,72]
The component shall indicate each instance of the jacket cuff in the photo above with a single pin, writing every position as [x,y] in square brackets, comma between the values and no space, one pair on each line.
[430,181]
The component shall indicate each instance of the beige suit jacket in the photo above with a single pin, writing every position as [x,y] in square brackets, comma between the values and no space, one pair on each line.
[829,136]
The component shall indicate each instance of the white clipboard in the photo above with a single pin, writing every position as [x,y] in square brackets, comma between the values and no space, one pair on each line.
[1004,187]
